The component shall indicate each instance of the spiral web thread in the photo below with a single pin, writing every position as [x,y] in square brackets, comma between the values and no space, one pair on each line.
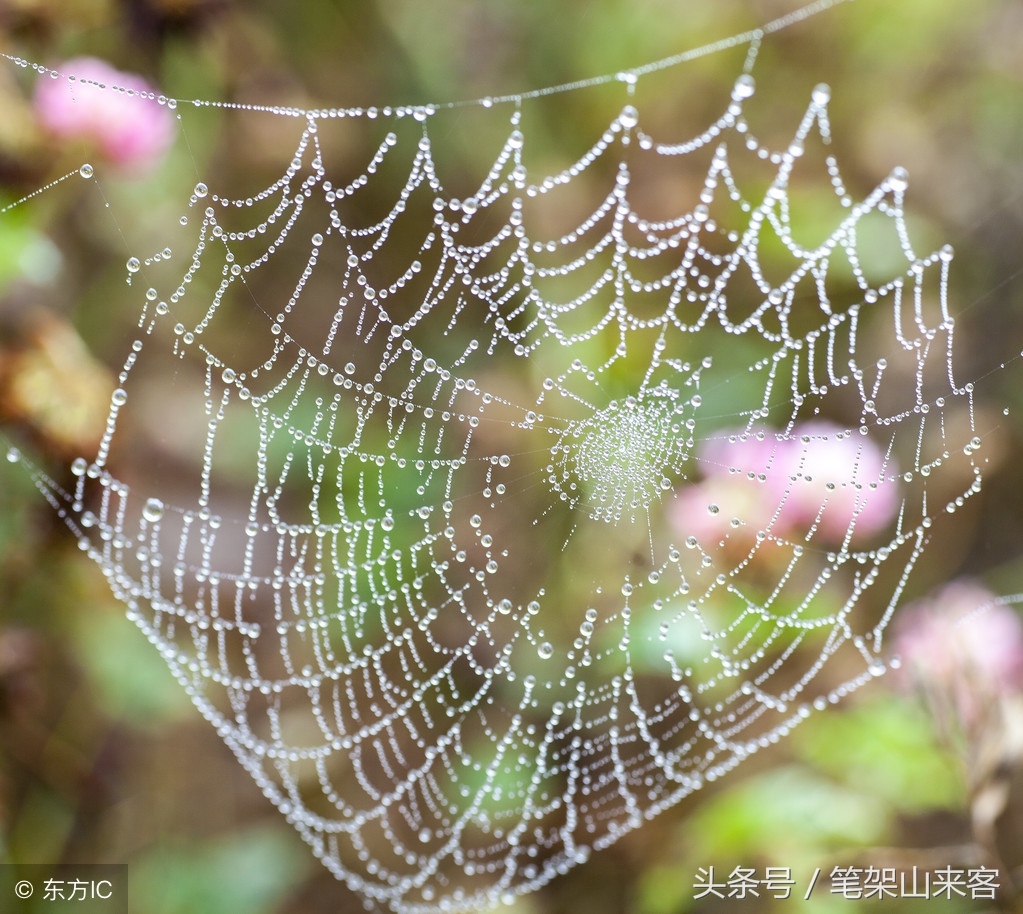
[449,613]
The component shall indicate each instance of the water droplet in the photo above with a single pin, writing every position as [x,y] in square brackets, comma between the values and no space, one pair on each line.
[86,170]
[201,190]
[821,94]
[13,455]
[133,264]
[898,180]
[387,522]
[119,397]
[744,87]
[545,650]
[152,511]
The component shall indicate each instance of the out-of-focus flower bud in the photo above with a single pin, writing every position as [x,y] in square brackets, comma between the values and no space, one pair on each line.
[963,648]
[130,131]
[817,477]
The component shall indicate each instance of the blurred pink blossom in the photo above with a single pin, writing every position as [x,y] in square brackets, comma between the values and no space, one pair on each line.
[963,648]
[129,131]
[817,473]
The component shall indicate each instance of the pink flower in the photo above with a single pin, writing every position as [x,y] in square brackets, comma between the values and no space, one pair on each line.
[817,476]
[963,648]
[129,130]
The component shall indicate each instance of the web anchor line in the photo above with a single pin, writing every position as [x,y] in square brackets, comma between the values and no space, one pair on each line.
[752,37]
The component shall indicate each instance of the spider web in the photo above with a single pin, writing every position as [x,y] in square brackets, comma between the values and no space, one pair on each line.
[508,534]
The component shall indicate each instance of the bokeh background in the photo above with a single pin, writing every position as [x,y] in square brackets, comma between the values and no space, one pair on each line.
[103,759]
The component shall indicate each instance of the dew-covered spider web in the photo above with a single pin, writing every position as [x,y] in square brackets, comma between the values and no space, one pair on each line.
[521,517]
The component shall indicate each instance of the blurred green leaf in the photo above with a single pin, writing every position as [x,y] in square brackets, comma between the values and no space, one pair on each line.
[248,873]
[885,747]
[743,823]
[130,678]
[25,252]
